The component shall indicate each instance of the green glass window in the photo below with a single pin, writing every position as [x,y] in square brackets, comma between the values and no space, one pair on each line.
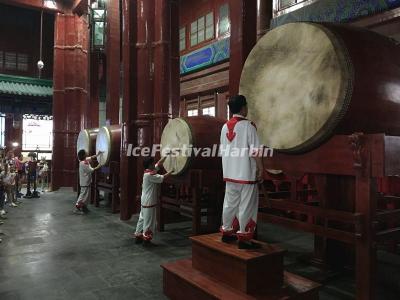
[98,34]
[98,28]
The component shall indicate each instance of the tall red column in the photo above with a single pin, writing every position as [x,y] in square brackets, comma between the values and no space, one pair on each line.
[92,109]
[166,62]
[243,16]
[128,165]
[264,16]
[151,85]
[70,95]
[113,51]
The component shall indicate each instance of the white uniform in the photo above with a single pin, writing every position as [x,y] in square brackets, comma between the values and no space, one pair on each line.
[239,141]
[147,218]
[85,179]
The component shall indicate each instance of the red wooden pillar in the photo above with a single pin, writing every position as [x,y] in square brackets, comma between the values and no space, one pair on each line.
[145,80]
[166,64]
[366,248]
[128,167]
[243,16]
[92,110]
[70,95]
[113,52]
[264,16]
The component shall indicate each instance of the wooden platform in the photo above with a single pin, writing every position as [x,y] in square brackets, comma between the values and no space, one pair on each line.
[246,270]
[182,282]
[222,271]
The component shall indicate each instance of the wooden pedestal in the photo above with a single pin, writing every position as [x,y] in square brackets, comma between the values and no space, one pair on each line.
[247,271]
[222,271]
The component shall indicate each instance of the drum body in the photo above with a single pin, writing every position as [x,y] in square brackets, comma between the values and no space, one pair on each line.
[109,143]
[305,82]
[193,143]
[87,141]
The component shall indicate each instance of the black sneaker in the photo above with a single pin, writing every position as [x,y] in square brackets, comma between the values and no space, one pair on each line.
[249,245]
[229,238]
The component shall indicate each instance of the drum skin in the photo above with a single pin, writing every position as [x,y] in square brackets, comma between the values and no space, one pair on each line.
[305,82]
[109,143]
[201,132]
[87,141]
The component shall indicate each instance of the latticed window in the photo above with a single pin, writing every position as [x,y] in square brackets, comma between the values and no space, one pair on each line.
[283,4]
[202,29]
[224,23]
[10,61]
[1,60]
[182,39]
[209,111]
[22,62]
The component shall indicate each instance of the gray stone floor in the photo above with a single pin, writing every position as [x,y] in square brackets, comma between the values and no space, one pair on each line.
[49,253]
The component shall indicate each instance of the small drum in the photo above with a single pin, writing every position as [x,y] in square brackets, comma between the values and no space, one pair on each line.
[87,141]
[188,141]
[109,143]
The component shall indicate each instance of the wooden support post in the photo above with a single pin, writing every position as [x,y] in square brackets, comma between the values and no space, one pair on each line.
[366,201]
[243,16]
[128,164]
[113,49]
[70,95]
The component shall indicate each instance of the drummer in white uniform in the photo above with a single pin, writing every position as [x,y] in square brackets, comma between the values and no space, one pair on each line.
[85,180]
[242,169]
[146,225]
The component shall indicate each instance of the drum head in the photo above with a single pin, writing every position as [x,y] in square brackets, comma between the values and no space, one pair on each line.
[298,84]
[103,144]
[83,142]
[176,139]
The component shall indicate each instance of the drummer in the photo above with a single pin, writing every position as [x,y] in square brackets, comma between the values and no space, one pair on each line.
[241,174]
[85,180]
[147,219]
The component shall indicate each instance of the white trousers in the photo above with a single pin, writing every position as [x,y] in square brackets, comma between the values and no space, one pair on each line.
[83,197]
[146,225]
[240,210]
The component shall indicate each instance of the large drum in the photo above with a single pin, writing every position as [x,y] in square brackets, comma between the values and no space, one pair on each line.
[109,143]
[189,141]
[87,141]
[305,82]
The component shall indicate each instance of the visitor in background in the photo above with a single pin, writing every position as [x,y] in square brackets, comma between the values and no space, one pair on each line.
[19,166]
[2,196]
[43,173]
[9,183]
